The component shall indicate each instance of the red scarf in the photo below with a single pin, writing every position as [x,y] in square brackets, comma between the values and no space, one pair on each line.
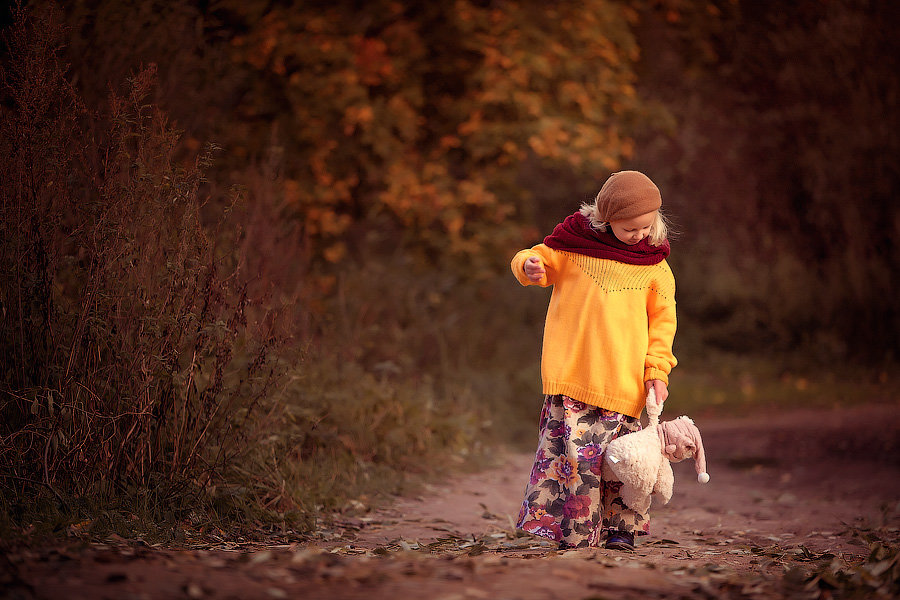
[575,234]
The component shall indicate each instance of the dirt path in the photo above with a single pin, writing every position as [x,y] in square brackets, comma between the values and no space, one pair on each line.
[791,495]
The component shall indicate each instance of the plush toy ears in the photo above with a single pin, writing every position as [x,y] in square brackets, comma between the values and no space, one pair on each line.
[700,457]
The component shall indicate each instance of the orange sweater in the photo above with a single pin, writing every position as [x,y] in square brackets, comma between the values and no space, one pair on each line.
[609,328]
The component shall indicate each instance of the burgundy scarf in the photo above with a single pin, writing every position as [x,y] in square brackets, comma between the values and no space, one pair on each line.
[575,234]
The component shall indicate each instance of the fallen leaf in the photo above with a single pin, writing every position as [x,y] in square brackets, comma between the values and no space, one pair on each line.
[260,557]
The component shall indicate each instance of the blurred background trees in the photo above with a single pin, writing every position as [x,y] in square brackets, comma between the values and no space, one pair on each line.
[455,132]
[784,156]
[378,164]
[395,123]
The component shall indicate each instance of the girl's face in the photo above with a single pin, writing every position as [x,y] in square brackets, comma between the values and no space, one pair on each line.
[631,231]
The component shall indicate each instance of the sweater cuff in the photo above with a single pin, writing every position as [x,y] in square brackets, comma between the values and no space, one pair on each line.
[654,373]
[518,263]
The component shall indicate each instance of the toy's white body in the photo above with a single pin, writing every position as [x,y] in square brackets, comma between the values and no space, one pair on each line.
[641,463]
[637,460]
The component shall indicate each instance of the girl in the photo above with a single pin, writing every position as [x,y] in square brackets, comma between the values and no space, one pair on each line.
[607,339]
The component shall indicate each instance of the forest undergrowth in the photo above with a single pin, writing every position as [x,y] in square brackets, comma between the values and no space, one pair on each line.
[151,382]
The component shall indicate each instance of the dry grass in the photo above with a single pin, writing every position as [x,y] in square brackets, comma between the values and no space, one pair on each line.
[128,361]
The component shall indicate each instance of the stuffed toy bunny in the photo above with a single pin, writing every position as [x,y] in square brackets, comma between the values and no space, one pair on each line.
[641,460]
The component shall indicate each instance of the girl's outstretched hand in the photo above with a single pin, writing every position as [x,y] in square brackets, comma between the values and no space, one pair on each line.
[534,270]
[662,391]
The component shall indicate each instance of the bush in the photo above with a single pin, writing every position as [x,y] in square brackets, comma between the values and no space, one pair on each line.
[128,364]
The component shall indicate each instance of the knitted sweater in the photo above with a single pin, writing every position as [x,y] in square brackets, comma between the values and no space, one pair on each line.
[609,328]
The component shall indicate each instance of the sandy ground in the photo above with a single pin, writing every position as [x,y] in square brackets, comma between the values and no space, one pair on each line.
[791,495]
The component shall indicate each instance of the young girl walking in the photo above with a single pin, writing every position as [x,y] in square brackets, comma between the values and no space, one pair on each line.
[607,339]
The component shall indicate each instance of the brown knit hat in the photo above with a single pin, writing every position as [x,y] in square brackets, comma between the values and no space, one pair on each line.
[625,195]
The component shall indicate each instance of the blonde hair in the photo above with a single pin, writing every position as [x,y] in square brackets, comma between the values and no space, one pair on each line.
[659,229]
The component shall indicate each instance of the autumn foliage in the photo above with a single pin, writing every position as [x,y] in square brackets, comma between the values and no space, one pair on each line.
[424,114]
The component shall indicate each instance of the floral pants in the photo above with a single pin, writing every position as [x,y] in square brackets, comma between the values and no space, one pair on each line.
[565,499]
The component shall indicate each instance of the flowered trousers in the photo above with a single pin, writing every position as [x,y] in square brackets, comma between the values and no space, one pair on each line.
[565,499]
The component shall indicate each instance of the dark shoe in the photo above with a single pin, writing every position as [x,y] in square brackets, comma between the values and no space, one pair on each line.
[620,540]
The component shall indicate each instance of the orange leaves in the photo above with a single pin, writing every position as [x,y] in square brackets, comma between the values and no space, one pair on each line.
[321,220]
[335,252]
[550,139]
[372,61]
[447,212]
[473,124]
[330,189]
[553,79]
[474,193]
[357,116]
[404,117]
[449,141]
[428,115]
[494,58]
[259,48]
[412,195]
[576,93]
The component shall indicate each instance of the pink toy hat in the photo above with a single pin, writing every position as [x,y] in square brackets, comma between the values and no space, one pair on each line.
[681,439]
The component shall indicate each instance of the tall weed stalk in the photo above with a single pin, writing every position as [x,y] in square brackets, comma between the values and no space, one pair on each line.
[128,364]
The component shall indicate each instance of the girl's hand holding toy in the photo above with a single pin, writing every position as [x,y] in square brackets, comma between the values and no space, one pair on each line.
[660,392]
